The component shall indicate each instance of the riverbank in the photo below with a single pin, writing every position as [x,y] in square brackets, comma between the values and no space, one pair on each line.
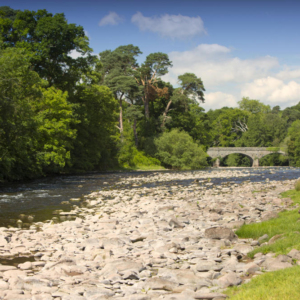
[142,239]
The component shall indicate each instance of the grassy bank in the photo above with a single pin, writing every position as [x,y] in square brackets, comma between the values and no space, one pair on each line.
[286,228]
[285,231]
[278,285]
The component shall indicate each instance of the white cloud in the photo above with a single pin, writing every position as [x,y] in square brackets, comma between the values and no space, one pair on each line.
[289,73]
[272,90]
[74,54]
[111,19]
[215,65]
[218,100]
[173,26]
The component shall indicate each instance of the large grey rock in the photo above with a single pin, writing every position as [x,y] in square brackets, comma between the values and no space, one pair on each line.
[220,233]
[268,215]
[295,254]
[230,279]
[184,277]
[205,266]
[119,266]
[209,296]
[251,268]
[274,264]
[243,248]
[160,284]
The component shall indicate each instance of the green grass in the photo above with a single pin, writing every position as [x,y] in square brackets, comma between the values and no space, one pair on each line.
[279,285]
[285,224]
[282,284]
[148,168]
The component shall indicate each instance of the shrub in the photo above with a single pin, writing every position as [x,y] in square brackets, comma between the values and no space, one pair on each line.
[297,185]
[176,149]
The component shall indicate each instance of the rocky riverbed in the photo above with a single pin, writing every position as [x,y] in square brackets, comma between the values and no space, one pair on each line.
[146,242]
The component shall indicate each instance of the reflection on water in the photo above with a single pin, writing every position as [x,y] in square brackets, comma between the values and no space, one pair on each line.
[37,200]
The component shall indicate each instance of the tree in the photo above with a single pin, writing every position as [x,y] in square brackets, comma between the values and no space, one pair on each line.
[155,65]
[253,106]
[133,114]
[229,126]
[96,138]
[35,122]
[176,149]
[54,118]
[191,90]
[264,131]
[51,40]
[118,74]
[294,143]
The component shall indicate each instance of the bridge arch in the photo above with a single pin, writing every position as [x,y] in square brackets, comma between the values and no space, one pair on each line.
[224,159]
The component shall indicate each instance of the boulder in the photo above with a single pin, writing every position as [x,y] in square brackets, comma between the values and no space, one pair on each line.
[220,233]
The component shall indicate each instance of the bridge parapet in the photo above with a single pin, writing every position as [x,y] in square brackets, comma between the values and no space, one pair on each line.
[255,153]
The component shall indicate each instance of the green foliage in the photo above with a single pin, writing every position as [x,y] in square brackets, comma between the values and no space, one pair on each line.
[176,149]
[236,160]
[130,157]
[297,185]
[54,117]
[95,108]
[275,159]
[50,39]
[228,126]
[294,144]
[282,284]
[253,106]
[35,122]
[192,86]
[264,130]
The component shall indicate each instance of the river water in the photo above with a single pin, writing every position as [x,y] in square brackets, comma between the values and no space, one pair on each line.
[39,198]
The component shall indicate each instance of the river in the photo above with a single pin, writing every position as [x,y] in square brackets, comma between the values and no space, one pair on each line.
[40,198]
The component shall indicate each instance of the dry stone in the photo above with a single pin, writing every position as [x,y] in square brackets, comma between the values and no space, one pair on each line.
[220,233]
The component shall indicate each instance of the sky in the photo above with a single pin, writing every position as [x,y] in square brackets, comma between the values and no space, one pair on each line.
[239,48]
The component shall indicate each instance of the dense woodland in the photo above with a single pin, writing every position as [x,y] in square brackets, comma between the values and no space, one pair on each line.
[59,114]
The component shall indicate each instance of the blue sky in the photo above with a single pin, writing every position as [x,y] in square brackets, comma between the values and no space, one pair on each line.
[239,48]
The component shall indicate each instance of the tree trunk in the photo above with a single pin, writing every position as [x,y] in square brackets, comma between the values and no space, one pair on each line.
[146,101]
[121,119]
[135,134]
[165,113]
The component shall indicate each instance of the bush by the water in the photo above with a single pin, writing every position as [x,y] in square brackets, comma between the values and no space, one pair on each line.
[297,185]
[176,149]
[131,157]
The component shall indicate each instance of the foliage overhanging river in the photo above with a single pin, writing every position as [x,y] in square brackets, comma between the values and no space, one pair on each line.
[40,198]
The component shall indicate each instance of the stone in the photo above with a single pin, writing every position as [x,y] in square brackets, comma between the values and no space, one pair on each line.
[205,266]
[139,297]
[119,266]
[160,284]
[220,233]
[175,223]
[268,215]
[208,296]
[274,264]
[3,285]
[251,268]
[4,268]
[275,238]
[243,248]
[25,266]
[263,237]
[230,279]
[295,254]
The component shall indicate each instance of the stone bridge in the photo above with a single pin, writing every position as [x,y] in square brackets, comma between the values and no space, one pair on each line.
[255,153]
